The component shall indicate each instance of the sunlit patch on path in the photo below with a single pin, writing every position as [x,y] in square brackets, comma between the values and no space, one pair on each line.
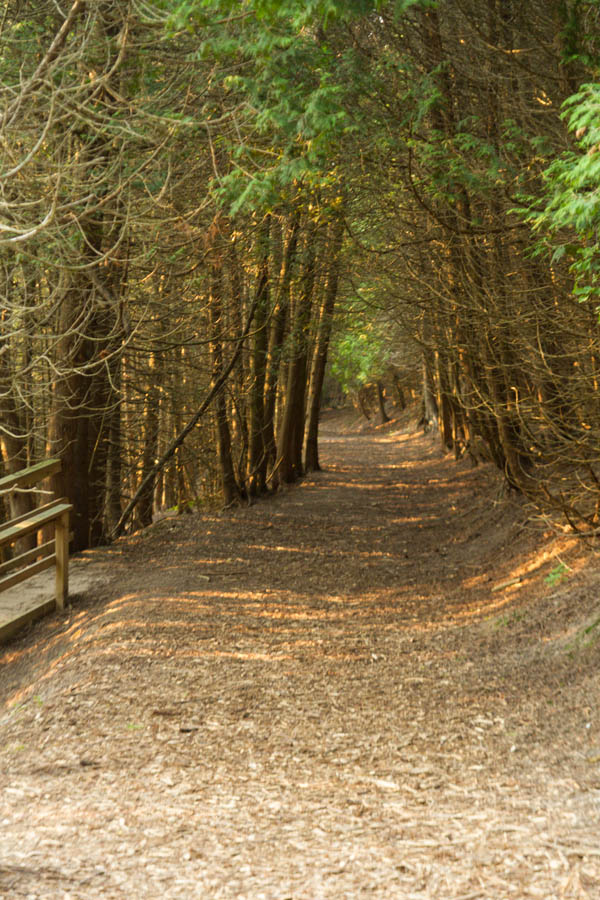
[327,694]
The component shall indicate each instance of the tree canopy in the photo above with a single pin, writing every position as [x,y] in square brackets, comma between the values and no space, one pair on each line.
[207,206]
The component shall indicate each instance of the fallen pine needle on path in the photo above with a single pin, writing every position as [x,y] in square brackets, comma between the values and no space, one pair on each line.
[368,685]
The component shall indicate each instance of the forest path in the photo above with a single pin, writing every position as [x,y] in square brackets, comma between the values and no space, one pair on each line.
[318,696]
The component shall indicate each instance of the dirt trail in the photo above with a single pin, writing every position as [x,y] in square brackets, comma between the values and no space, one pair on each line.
[319,696]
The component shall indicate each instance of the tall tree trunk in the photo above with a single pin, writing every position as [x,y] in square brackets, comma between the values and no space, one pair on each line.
[229,485]
[289,447]
[145,507]
[68,427]
[445,402]
[235,309]
[83,397]
[430,406]
[400,397]
[114,486]
[83,394]
[14,445]
[319,361]
[383,416]
[257,457]
[276,337]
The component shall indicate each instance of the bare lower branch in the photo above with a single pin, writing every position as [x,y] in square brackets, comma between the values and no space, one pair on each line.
[178,441]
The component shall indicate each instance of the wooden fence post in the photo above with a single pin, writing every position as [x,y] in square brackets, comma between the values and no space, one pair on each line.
[62,559]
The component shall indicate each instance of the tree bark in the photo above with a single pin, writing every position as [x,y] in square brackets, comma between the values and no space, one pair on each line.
[321,350]
[276,338]
[177,442]
[289,446]
[257,456]
[14,445]
[229,485]
[145,510]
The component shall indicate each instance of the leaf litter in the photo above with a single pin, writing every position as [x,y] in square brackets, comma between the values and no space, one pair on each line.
[317,696]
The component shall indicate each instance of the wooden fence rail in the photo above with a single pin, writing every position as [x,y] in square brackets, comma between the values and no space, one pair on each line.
[51,553]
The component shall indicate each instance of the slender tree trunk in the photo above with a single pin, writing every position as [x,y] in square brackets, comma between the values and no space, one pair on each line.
[177,442]
[276,338]
[68,427]
[235,309]
[114,486]
[102,400]
[431,411]
[145,507]
[445,403]
[229,485]
[400,397]
[257,457]
[289,448]
[14,445]
[319,362]
[383,416]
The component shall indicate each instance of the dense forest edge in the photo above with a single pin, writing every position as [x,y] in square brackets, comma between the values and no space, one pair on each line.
[216,217]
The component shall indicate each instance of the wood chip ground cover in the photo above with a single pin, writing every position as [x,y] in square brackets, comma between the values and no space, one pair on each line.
[318,696]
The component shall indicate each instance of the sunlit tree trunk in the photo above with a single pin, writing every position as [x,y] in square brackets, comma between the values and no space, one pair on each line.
[257,456]
[276,339]
[291,435]
[321,349]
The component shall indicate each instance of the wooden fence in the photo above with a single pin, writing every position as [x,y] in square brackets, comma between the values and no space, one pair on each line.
[51,553]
